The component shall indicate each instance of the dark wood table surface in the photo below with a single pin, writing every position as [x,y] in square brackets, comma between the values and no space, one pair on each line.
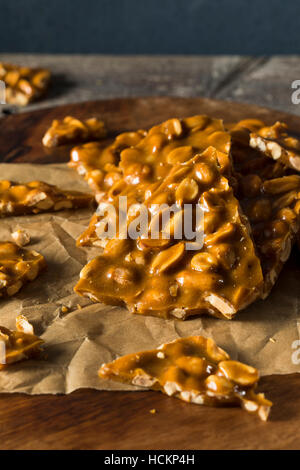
[265,81]
[88,419]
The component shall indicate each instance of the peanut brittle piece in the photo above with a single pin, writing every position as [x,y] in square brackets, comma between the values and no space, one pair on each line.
[37,196]
[174,141]
[73,131]
[240,130]
[164,276]
[247,159]
[24,84]
[97,162]
[195,370]
[149,158]
[17,267]
[269,193]
[20,344]
[273,208]
[276,143]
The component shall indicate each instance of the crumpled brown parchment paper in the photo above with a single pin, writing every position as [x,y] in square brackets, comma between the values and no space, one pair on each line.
[265,335]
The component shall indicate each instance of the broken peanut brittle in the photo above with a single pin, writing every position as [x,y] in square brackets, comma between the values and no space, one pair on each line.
[269,195]
[195,370]
[17,267]
[273,209]
[146,159]
[174,141]
[162,276]
[20,344]
[275,142]
[73,131]
[148,156]
[24,84]
[140,177]
[248,160]
[37,196]
[97,162]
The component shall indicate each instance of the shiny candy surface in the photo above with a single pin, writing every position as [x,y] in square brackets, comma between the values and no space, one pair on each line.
[73,131]
[24,84]
[37,196]
[160,275]
[195,370]
[21,344]
[18,266]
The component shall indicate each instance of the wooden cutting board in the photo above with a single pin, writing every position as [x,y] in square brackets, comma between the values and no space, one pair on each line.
[88,419]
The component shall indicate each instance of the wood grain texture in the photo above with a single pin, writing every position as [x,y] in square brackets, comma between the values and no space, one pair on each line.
[88,419]
[265,81]
[79,78]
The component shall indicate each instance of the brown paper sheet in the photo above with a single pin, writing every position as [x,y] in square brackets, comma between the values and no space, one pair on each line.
[266,335]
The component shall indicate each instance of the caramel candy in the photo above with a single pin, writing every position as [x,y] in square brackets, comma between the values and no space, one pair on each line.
[24,84]
[172,142]
[20,344]
[163,276]
[255,156]
[37,196]
[73,131]
[276,143]
[272,207]
[146,157]
[246,158]
[17,267]
[269,196]
[195,370]
[97,163]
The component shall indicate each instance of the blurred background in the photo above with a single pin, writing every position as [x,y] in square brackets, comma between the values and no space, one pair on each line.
[98,49]
[150,26]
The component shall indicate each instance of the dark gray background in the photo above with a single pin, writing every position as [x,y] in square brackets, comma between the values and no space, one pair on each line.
[150,26]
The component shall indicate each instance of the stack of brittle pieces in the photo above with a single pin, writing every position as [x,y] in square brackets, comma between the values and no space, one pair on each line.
[250,206]
[243,177]
[194,217]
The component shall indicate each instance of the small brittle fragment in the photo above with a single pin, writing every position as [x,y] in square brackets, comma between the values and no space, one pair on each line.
[275,142]
[248,159]
[18,266]
[24,84]
[71,131]
[19,345]
[21,237]
[37,196]
[195,370]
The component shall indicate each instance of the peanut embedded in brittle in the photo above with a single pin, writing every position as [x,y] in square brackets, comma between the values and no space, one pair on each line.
[20,344]
[37,196]
[21,237]
[17,267]
[73,131]
[169,278]
[195,370]
[24,84]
